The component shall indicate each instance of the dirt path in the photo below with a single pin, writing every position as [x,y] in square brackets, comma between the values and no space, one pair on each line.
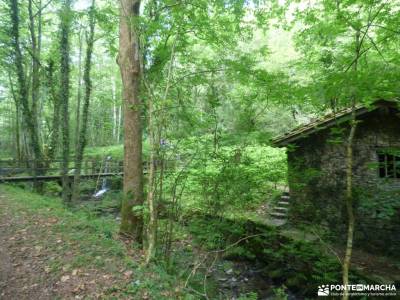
[41,259]
[5,260]
[22,267]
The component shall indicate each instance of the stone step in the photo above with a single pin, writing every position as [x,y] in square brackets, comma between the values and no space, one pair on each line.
[283,203]
[280,208]
[284,197]
[278,215]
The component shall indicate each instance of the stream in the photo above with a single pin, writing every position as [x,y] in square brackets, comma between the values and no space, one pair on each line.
[244,277]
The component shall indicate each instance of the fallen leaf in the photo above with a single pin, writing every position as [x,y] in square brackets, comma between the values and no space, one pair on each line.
[128,273]
[80,287]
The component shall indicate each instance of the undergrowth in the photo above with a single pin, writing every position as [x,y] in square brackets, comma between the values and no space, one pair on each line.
[79,239]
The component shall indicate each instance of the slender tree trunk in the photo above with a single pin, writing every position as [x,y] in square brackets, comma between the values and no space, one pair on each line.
[29,119]
[79,94]
[17,120]
[151,194]
[85,113]
[25,146]
[115,116]
[11,123]
[40,102]
[152,226]
[36,47]
[35,64]
[349,205]
[17,133]
[56,113]
[119,123]
[349,183]
[66,16]
[129,63]
[155,134]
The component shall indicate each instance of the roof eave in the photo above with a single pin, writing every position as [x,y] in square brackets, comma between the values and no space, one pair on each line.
[289,138]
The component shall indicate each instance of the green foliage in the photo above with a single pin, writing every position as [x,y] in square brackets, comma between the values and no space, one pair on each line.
[231,177]
[94,244]
[377,211]
[327,38]
[297,264]
[95,235]
[205,234]
[154,282]
[238,178]
[248,296]
[116,152]
[280,293]
[52,188]
[108,205]
[381,208]
[223,84]
[301,266]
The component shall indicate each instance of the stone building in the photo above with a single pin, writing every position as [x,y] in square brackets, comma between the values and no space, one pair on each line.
[317,167]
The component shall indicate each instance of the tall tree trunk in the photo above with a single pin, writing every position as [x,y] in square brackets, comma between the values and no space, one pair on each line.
[349,205]
[152,188]
[155,128]
[114,121]
[56,113]
[26,151]
[29,119]
[115,108]
[79,94]
[129,63]
[66,16]
[88,89]
[17,120]
[349,182]
[119,123]
[35,64]
[36,41]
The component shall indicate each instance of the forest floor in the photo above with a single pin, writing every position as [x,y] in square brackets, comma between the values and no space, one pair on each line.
[50,252]
[47,252]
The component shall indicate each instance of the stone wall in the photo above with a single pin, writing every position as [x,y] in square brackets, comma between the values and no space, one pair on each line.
[317,169]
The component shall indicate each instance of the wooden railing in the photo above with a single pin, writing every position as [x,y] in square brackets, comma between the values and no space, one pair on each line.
[12,170]
[45,170]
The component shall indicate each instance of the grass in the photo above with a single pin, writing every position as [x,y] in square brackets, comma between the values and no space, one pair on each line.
[92,235]
[79,240]
[5,155]
[115,151]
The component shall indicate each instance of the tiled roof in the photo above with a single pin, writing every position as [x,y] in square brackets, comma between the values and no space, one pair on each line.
[326,121]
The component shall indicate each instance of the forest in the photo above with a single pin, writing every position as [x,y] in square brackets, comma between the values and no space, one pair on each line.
[199,149]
